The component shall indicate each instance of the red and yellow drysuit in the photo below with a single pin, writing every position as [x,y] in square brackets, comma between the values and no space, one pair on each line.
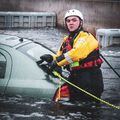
[83,53]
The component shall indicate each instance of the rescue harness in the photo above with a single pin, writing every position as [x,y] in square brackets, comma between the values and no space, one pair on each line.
[92,60]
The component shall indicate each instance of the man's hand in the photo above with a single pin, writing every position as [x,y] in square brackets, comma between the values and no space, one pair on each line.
[50,67]
[47,57]
[54,67]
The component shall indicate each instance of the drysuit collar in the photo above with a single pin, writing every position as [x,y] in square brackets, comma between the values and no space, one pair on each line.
[75,33]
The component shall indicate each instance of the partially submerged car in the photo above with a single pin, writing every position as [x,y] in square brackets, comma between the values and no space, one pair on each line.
[19,71]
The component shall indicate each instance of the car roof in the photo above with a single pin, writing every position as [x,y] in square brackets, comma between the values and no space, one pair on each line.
[13,41]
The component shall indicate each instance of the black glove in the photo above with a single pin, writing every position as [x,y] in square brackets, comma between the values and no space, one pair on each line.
[47,57]
[50,67]
[53,66]
[67,67]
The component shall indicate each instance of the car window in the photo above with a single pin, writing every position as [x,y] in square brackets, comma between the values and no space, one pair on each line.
[34,50]
[2,66]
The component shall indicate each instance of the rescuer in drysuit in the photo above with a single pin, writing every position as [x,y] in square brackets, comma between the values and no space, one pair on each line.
[79,53]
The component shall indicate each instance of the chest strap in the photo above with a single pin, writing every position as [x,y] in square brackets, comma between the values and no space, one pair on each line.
[90,64]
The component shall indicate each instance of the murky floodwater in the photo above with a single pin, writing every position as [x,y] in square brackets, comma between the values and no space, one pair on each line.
[20,108]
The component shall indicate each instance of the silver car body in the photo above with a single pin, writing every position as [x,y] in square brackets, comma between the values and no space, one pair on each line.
[20,74]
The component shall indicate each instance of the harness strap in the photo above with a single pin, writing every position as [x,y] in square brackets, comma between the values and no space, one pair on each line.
[90,64]
[92,60]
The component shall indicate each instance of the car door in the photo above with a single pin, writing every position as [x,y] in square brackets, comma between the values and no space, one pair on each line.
[5,69]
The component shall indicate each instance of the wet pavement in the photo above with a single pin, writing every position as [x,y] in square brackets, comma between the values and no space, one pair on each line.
[20,108]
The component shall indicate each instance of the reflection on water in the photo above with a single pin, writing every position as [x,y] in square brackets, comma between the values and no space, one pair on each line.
[23,108]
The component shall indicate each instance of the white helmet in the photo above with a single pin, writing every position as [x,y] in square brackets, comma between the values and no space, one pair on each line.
[73,12]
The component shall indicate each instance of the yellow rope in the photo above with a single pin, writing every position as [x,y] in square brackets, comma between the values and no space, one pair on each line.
[103,101]
[59,90]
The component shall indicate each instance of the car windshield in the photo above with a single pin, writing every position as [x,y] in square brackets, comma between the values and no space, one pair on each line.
[34,50]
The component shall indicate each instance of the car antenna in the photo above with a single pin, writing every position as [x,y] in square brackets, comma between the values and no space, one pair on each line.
[21,39]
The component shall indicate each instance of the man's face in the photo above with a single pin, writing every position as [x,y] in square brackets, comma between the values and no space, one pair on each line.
[73,23]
